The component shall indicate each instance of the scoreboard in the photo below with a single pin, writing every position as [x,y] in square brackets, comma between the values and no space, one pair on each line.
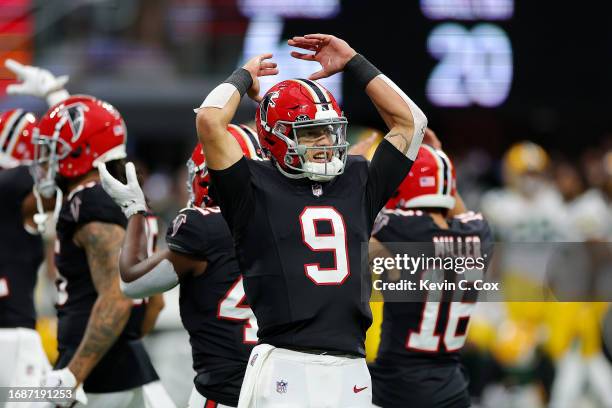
[487,72]
[474,64]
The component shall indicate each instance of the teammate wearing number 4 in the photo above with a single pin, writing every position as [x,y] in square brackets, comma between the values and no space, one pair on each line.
[200,256]
[418,358]
[298,221]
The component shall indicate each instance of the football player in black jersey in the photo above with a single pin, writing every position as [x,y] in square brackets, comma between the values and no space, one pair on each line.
[299,220]
[418,359]
[200,256]
[99,329]
[24,362]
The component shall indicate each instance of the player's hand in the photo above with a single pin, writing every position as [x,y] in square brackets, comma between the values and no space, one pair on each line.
[64,379]
[362,147]
[37,82]
[257,67]
[329,51]
[128,196]
[430,138]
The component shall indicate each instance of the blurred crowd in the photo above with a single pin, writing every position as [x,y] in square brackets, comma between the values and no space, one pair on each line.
[552,220]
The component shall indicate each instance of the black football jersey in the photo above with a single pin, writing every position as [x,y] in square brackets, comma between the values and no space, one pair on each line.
[298,243]
[126,365]
[21,252]
[418,357]
[222,328]
[430,330]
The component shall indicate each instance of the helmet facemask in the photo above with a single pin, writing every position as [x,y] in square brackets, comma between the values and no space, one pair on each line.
[316,162]
[47,156]
[197,175]
[44,170]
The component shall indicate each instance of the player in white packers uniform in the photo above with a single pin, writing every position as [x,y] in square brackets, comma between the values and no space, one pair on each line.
[527,214]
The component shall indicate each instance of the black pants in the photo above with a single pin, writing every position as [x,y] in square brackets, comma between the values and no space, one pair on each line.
[419,386]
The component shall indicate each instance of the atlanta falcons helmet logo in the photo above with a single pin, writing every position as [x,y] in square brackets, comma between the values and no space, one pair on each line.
[75,118]
[176,224]
[268,100]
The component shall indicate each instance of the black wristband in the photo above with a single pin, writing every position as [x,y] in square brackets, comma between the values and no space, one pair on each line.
[241,79]
[362,69]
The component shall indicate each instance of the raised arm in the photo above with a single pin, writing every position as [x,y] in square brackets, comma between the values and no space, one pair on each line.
[110,313]
[37,82]
[219,107]
[142,275]
[406,122]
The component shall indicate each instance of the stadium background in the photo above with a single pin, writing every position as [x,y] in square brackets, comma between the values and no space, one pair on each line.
[488,73]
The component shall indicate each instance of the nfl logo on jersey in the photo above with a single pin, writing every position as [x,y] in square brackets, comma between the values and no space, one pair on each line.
[317,190]
[281,386]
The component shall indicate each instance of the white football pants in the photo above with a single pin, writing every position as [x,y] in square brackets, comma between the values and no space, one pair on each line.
[151,395]
[24,363]
[277,377]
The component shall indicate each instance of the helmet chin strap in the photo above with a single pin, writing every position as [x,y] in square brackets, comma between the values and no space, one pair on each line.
[313,170]
[323,171]
[40,218]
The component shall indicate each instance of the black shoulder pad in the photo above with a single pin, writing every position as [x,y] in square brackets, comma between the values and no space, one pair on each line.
[196,231]
[90,203]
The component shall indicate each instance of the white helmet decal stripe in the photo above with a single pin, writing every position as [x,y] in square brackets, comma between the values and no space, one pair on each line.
[323,99]
[9,128]
[448,176]
[18,128]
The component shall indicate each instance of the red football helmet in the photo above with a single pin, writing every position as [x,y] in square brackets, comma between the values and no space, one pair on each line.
[76,134]
[430,183]
[16,129]
[297,104]
[198,179]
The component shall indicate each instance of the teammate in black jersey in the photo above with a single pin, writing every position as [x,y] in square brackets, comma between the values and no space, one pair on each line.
[418,359]
[298,220]
[99,329]
[200,256]
[24,362]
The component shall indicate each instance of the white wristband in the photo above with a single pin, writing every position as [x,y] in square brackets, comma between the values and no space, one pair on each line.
[134,207]
[158,280]
[218,97]
[55,97]
[418,117]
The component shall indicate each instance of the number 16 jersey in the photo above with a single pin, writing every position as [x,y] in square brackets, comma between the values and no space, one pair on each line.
[298,243]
